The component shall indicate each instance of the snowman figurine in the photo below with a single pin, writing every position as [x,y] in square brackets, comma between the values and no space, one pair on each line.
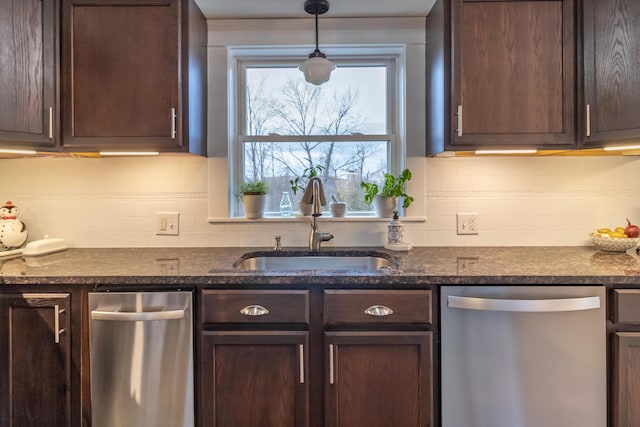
[13,232]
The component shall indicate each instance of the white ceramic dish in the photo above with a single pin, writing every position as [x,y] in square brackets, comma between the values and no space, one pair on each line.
[45,246]
[614,244]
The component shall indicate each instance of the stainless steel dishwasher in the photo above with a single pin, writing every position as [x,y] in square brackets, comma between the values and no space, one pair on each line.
[523,356]
[141,351]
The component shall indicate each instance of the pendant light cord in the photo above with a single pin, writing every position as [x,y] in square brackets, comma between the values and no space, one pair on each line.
[317,48]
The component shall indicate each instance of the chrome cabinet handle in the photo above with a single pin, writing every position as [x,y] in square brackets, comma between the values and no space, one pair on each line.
[51,124]
[134,317]
[379,310]
[588,120]
[301,356]
[459,114]
[254,310]
[173,123]
[56,323]
[524,305]
[331,367]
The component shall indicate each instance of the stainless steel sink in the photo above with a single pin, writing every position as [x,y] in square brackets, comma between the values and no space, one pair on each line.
[357,261]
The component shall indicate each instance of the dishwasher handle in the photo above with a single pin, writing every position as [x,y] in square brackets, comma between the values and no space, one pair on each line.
[524,305]
[137,316]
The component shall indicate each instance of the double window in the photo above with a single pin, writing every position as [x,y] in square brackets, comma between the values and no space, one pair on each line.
[345,131]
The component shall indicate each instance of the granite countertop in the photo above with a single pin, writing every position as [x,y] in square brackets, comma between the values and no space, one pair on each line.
[418,266]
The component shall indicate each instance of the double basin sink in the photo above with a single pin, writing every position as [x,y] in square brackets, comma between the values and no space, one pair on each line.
[325,260]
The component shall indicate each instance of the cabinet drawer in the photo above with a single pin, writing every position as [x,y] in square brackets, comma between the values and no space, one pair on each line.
[342,307]
[255,306]
[626,306]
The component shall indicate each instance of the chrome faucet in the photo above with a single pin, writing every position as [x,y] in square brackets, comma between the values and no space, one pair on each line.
[316,237]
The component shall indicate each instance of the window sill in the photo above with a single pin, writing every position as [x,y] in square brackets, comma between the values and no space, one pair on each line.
[352,219]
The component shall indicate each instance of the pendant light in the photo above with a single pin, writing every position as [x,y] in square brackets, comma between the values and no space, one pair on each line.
[317,69]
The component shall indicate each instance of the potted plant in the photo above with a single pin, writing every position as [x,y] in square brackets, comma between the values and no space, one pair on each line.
[301,182]
[252,194]
[385,199]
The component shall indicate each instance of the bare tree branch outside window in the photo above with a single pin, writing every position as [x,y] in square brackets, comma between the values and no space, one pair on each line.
[277,106]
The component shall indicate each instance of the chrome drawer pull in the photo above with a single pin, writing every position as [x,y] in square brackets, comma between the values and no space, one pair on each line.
[301,356]
[50,122]
[173,123]
[379,310]
[331,367]
[254,310]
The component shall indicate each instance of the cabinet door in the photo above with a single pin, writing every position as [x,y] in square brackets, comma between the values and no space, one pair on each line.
[28,52]
[626,379]
[611,78]
[254,378]
[120,67]
[378,379]
[513,74]
[35,360]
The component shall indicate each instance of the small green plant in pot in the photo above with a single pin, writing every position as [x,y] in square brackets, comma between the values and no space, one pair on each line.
[299,183]
[385,199]
[252,194]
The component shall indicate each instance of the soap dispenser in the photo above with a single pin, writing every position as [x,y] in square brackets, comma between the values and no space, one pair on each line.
[395,231]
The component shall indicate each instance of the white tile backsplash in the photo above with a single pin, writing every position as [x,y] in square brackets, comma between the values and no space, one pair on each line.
[529,201]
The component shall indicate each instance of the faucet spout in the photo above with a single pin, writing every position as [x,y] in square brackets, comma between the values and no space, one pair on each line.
[316,208]
[316,237]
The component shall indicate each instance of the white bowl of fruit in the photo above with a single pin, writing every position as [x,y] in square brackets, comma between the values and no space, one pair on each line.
[619,239]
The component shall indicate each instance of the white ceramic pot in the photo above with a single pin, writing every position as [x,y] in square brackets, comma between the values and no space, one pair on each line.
[253,205]
[338,209]
[385,205]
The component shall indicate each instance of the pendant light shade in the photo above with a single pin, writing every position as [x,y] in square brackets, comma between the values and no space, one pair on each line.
[317,69]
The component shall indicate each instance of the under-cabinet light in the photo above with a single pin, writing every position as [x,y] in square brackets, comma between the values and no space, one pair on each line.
[129,153]
[9,151]
[622,147]
[523,151]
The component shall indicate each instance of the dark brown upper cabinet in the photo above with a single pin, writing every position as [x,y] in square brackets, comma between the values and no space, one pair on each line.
[611,78]
[502,74]
[29,113]
[133,76]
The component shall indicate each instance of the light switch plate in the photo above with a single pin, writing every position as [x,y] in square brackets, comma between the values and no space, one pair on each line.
[168,223]
[468,222]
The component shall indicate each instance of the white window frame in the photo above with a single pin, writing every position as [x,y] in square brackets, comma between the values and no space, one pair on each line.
[392,57]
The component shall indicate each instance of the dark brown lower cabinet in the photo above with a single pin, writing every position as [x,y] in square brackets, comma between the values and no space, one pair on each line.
[626,379]
[625,358]
[35,359]
[378,379]
[254,358]
[255,378]
[316,358]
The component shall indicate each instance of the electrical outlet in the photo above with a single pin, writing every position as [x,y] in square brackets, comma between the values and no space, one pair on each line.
[168,223]
[466,264]
[168,266]
[468,223]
